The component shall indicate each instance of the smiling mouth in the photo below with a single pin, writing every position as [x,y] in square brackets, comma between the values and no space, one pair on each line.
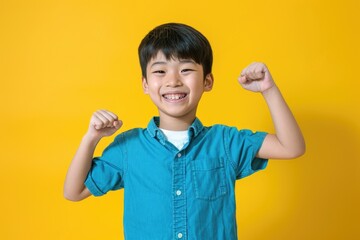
[174,96]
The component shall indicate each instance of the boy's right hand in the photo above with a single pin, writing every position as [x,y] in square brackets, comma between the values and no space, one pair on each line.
[103,123]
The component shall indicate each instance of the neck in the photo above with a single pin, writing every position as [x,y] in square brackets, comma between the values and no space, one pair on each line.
[175,124]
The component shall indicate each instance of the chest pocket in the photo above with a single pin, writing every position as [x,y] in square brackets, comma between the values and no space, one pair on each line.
[209,178]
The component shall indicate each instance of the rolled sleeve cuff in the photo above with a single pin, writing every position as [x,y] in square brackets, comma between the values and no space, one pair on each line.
[90,184]
[256,164]
[259,163]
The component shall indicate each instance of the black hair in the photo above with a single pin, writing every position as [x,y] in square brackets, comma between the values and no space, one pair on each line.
[176,40]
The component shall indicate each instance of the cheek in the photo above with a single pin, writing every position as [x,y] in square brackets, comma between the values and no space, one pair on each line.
[154,86]
[196,84]
[154,89]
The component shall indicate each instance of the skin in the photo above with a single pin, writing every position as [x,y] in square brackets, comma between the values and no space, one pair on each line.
[182,79]
[288,141]
[176,87]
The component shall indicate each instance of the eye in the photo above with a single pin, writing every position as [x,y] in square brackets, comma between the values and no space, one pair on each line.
[186,70]
[159,72]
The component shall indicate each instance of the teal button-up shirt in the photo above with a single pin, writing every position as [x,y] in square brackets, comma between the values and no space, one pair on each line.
[172,194]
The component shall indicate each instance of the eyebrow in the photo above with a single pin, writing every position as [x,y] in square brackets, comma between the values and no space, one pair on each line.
[187,61]
[157,63]
[181,61]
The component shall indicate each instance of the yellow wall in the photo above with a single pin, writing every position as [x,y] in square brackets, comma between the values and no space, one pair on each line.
[62,60]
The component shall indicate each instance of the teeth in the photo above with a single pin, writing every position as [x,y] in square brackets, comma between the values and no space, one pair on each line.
[174,96]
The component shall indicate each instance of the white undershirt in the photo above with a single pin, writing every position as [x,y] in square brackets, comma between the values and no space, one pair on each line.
[177,138]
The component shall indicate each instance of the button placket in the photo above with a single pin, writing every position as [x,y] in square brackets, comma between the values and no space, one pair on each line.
[179,200]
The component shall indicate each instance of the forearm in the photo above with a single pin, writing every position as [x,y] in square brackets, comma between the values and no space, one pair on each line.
[288,139]
[74,188]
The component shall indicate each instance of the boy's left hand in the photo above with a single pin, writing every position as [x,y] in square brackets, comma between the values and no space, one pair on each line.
[256,77]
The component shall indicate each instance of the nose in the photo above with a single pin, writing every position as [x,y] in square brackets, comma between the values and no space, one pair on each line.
[173,80]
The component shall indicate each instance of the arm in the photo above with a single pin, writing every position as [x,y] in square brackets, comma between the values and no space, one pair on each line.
[288,141]
[103,123]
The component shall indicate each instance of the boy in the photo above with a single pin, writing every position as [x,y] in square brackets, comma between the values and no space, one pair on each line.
[179,176]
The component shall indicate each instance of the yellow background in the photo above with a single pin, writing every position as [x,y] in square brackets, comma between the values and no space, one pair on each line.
[62,60]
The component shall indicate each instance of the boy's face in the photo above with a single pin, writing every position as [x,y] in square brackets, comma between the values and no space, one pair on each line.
[175,86]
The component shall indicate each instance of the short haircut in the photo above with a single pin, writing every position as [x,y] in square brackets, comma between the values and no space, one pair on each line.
[176,41]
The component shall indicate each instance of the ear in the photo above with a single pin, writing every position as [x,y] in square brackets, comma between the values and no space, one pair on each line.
[208,82]
[145,85]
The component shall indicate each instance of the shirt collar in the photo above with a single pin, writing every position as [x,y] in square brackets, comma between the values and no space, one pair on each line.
[154,130]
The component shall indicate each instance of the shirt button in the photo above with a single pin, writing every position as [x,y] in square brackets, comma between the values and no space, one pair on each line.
[178,192]
[180,235]
[179,155]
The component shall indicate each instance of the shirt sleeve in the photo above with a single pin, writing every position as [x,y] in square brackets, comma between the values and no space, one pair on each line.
[106,172]
[242,147]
